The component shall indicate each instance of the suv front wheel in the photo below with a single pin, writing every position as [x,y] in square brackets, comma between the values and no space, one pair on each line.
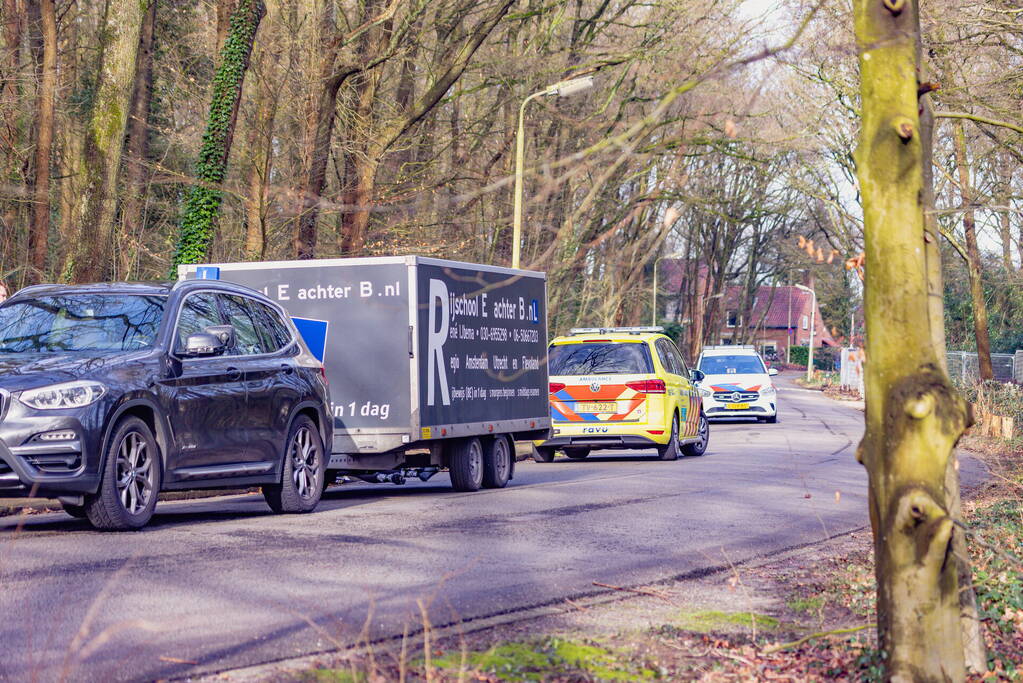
[131,479]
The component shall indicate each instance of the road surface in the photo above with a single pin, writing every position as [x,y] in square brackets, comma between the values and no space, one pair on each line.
[221,583]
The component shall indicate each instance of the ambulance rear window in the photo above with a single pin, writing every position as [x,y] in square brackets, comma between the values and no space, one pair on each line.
[600,359]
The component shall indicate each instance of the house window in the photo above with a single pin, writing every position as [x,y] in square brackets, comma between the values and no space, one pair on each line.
[733,319]
[806,323]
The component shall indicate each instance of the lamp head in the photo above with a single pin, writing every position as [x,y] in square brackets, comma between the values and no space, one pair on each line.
[571,86]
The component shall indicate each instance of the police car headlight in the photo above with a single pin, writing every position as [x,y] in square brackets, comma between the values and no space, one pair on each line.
[706,393]
[768,391]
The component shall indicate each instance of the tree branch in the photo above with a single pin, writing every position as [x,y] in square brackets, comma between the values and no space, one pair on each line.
[977,119]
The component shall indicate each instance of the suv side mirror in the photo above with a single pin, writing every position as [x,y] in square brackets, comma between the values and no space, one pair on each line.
[203,344]
[698,376]
[225,333]
[772,372]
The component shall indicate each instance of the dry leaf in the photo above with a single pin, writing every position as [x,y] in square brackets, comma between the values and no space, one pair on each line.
[671,215]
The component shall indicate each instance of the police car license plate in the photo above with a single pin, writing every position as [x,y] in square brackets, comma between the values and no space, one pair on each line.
[737,406]
[608,407]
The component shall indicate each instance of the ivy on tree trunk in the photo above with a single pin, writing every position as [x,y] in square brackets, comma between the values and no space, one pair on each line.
[202,208]
[914,416]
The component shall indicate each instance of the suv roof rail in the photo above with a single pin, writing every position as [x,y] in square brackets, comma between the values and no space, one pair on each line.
[622,330]
[32,288]
[728,347]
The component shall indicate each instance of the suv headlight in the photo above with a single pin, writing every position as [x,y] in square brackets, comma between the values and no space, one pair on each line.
[77,394]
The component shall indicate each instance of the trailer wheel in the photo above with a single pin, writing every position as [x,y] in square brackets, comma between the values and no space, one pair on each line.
[466,465]
[497,463]
[543,454]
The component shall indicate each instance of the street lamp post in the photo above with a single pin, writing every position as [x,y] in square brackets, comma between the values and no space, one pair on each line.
[813,325]
[559,89]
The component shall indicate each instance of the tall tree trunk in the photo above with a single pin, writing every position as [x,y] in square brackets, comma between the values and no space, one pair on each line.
[259,143]
[13,17]
[1004,185]
[363,159]
[10,66]
[319,128]
[39,233]
[980,325]
[202,209]
[137,145]
[449,73]
[71,123]
[104,141]
[225,9]
[914,417]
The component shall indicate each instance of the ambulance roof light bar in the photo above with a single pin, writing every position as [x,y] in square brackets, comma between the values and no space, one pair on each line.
[612,330]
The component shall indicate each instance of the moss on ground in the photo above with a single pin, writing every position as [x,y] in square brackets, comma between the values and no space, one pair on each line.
[707,621]
[544,659]
[806,605]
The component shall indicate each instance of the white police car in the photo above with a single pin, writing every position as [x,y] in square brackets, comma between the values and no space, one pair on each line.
[737,383]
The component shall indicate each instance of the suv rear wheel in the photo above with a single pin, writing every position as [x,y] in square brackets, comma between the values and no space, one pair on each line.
[131,479]
[699,447]
[669,451]
[303,471]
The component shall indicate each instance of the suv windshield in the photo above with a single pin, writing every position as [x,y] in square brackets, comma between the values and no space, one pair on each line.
[81,322]
[732,365]
[599,359]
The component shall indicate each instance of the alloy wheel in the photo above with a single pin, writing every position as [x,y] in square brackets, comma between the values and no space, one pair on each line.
[305,463]
[703,429]
[134,473]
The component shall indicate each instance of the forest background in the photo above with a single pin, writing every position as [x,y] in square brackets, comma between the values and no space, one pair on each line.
[718,134]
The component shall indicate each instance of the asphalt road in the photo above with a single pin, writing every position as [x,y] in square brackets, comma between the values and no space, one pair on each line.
[221,583]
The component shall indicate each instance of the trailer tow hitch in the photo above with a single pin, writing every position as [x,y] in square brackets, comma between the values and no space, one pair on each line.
[399,476]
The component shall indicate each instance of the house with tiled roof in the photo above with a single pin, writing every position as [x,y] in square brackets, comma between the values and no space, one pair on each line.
[781,317]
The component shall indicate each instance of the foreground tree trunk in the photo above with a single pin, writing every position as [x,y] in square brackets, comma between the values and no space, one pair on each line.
[104,140]
[980,325]
[203,205]
[914,417]
[974,652]
[39,233]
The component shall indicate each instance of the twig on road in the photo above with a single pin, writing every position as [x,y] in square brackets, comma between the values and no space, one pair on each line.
[641,591]
[575,604]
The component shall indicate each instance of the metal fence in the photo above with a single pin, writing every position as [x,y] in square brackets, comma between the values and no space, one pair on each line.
[851,370]
[963,366]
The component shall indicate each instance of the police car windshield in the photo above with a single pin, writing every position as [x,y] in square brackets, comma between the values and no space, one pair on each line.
[732,365]
[597,358]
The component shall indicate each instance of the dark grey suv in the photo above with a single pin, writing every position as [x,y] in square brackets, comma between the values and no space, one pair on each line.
[112,393]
